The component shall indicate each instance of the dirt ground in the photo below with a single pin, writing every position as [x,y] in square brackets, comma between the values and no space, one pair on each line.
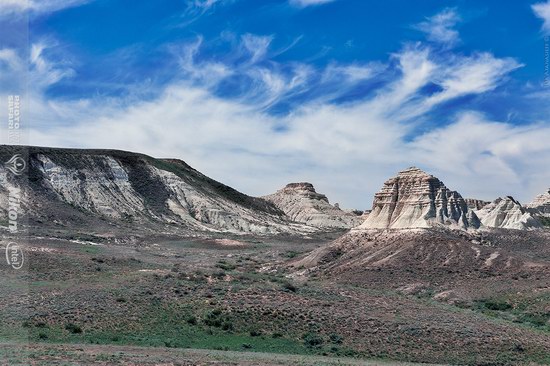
[85,354]
[238,300]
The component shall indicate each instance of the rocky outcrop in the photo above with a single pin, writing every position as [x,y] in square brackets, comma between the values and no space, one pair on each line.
[475,204]
[507,213]
[72,187]
[415,199]
[301,203]
[541,204]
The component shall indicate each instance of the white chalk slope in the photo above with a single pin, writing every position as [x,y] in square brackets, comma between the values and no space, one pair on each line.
[507,213]
[301,203]
[541,204]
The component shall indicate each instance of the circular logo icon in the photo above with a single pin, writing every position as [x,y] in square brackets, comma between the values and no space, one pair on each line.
[14,255]
[16,164]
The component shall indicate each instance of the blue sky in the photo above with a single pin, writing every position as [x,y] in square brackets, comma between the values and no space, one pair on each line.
[256,94]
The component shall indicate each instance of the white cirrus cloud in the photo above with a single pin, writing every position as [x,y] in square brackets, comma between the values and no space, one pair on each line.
[16,7]
[542,11]
[440,28]
[306,3]
[257,46]
[475,74]
[347,150]
[204,3]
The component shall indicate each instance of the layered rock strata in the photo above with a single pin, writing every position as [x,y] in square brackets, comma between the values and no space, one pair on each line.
[507,213]
[301,203]
[415,199]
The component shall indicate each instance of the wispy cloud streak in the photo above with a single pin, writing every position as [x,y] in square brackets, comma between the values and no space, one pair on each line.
[440,28]
[346,126]
[542,11]
[16,7]
[306,3]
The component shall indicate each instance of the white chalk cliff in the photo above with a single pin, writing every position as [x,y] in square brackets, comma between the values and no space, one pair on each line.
[507,213]
[541,204]
[415,199]
[301,203]
[121,187]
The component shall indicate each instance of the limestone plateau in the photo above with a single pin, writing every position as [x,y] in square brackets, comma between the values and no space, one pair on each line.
[301,203]
[117,191]
[111,190]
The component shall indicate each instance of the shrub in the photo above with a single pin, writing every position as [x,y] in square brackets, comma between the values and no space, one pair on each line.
[538,320]
[545,221]
[169,344]
[497,305]
[214,318]
[313,340]
[255,333]
[336,338]
[227,325]
[73,328]
[287,286]
[219,274]
[225,266]
[216,312]
[291,254]
[192,320]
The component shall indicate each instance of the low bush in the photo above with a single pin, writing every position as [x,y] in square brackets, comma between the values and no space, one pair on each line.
[287,286]
[255,333]
[496,305]
[73,328]
[336,338]
[313,340]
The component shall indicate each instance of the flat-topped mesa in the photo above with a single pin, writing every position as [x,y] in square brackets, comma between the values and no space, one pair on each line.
[300,186]
[303,188]
[541,204]
[301,203]
[507,213]
[416,199]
